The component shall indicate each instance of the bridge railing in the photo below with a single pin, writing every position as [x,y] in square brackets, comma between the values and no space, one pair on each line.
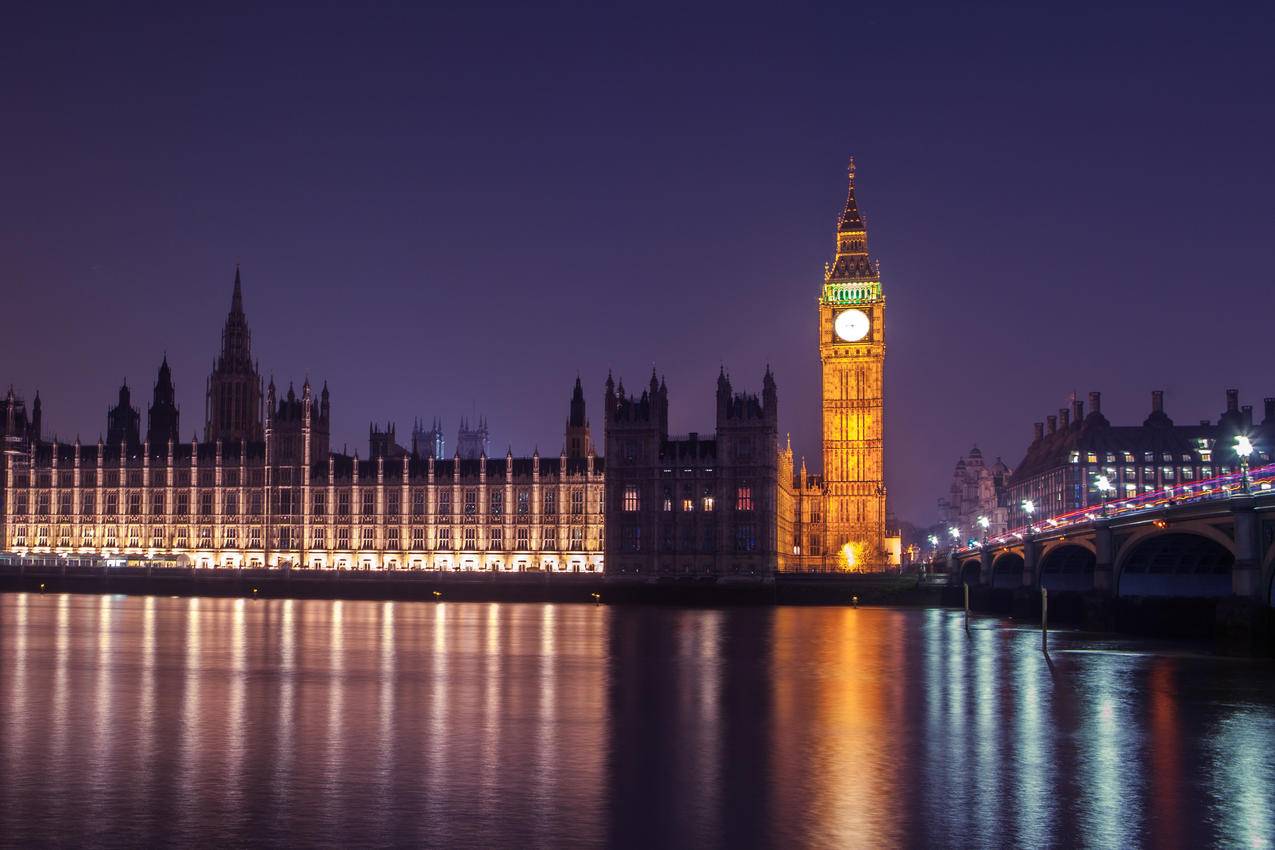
[1261,482]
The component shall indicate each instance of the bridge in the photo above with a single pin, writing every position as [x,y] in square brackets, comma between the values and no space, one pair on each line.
[1213,538]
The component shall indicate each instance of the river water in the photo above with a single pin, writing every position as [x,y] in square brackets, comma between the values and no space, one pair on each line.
[143,721]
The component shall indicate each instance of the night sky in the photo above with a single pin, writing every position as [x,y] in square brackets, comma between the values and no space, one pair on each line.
[455,210]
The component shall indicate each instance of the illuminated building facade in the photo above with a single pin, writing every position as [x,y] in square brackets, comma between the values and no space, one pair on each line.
[263,488]
[1060,470]
[693,504]
[852,359]
[977,490]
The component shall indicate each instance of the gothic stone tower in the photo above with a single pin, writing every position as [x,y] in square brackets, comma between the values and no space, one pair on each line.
[234,387]
[852,356]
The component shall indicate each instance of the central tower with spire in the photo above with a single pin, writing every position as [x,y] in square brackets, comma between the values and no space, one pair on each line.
[234,387]
[852,357]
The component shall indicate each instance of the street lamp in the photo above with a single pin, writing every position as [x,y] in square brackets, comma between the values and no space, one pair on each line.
[1104,487]
[1244,448]
[1029,508]
[983,523]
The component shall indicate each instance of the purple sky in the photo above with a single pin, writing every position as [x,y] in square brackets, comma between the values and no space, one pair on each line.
[457,209]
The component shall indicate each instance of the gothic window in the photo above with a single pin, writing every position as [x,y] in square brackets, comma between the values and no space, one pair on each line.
[368,538]
[64,503]
[708,541]
[471,501]
[368,503]
[551,503]
[205,537]
[523,496]
[231,506]
[666,536]
[134,502]
[667,502]
[577,501]
[523,538]
[318,503]
[86,504]
[391,538]
[134,536]
[318,538]
[471,537]
[630,538]
[632,501]
[497,538]
[745,538]
[496,502]
[576,541]
[688,498]
[549,538]
[418,538]
[254,537]
[445,502]
[157,504]
[744,497]
[230,537]
[445,538]
[418,503]
[254,503]
[343,538]
[230,478]
[393,501]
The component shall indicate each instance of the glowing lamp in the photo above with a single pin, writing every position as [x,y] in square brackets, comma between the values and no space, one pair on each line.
[1243,446]
[1029,507]
[984,522]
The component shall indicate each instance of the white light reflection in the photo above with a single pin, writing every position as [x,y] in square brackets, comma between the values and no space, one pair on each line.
[1242,776]
[1034,795]
[236,708]
[334,750]
[1111,815]
[190,718]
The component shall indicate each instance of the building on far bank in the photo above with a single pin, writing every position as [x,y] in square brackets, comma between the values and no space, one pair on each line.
[1069,451]
[977,490]
[264,489]
[696,503]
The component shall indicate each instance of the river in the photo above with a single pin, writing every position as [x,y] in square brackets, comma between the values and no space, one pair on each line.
[145,721]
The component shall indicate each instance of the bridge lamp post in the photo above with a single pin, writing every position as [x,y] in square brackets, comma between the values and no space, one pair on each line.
[1244,448]
[983,523]
[1104,487]
[1029,508]
[956,536]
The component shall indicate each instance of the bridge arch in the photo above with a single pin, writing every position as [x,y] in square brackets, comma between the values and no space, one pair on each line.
[1007,570]
[1068,565]
[971,571]
[1185,561]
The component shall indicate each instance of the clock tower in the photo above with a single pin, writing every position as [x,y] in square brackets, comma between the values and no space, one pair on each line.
[852,360]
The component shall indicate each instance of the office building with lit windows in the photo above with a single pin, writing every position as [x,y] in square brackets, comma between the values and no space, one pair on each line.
[1070,451]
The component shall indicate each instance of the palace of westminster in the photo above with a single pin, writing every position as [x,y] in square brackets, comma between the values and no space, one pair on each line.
[264,489]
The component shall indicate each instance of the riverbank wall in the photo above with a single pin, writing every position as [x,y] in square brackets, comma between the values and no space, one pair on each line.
[1230,624]
[806,589]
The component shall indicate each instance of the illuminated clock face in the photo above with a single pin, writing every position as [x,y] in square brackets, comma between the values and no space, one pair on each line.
[852,325]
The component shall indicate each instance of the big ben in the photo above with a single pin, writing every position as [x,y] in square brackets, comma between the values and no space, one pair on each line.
[852,360]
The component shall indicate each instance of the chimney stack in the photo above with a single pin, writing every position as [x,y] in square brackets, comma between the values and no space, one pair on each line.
[1064,418]
[1053,423]
[1269,419]
[1038,430]
[1095,402]
[1077,410]
[1232,401]
[1247,410]
[1157,401]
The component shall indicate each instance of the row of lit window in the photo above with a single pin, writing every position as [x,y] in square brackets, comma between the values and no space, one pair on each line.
[286,538]
[631,500]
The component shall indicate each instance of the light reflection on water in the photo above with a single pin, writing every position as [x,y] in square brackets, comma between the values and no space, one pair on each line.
[151,721]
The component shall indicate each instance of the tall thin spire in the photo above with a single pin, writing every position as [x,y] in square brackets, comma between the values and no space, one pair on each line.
[850,220]
[236,300]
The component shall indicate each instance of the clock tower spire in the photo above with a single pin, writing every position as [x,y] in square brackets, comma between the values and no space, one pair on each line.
[852,360]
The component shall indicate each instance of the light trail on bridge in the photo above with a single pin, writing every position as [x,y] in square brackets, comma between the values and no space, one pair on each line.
[1261,482]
